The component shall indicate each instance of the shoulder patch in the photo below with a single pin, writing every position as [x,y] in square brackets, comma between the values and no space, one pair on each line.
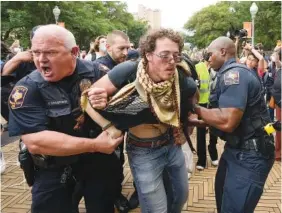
[17,96]
[103,68]
[231,77]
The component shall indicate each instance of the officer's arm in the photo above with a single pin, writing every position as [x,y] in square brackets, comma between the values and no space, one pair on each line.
[225,119]
[28,118]
[59,144]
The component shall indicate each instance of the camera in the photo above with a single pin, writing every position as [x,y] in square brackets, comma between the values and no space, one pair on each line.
[241,33]
[238,33]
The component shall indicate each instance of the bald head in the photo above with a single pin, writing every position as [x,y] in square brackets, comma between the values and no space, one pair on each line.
[224,43]
[220,50]
[60,34]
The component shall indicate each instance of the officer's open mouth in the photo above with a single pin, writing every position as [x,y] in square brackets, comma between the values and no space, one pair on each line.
[45,69]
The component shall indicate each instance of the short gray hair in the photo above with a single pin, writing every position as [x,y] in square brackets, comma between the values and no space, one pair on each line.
[59,32]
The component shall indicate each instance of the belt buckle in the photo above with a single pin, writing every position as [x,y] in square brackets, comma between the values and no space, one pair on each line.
[155,144]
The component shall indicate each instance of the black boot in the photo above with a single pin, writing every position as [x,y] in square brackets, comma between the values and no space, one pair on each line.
[134,201]
[122,204]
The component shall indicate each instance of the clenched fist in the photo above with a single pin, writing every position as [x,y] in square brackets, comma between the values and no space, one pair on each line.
[97,97]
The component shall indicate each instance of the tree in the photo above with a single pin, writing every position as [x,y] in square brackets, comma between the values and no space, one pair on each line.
[86,20]
[215,20]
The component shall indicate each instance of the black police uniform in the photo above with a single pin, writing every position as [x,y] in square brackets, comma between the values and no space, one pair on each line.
[37,105]
[107,62]
[249,151]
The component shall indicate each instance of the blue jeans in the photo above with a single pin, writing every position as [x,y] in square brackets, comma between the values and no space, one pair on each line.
[147,166]
[240,179]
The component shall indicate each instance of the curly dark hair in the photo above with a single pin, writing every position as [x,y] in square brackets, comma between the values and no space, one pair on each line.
[148,42]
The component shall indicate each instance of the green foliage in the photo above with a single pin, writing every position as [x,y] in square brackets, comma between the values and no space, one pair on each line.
[215,20]
[86,20]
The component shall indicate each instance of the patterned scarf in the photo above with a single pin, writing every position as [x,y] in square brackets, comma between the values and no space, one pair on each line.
[163,97]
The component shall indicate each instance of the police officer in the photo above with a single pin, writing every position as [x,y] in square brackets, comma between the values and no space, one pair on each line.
[117,44]
[238,116]
[44,106]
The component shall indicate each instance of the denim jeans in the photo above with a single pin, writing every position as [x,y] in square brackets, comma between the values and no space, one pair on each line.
[147,166]
[240,179]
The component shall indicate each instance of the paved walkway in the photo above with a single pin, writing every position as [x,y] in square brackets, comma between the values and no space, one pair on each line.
[16,197]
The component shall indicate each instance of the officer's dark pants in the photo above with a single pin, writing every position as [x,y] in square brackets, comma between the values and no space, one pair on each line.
[240,179]
[120,176]
[97,185]
[201,145]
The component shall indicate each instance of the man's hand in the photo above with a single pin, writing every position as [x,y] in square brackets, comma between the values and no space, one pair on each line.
[248,47]
[25,56]
[104,143]
[97,97]
[194,121]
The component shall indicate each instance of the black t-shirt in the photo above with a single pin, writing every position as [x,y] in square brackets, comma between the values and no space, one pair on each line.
[125,73]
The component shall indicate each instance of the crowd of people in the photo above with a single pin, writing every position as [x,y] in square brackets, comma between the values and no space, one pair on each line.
[153,96]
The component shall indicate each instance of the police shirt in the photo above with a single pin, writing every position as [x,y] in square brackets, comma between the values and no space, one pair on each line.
[237,87]
[29,111]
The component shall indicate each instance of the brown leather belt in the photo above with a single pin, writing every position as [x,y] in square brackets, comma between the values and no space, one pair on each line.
[154,144]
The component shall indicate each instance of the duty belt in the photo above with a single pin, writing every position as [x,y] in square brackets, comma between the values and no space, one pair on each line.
[251,144]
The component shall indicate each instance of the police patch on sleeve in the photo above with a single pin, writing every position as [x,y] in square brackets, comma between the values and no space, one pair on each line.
[17,96]
[231,77]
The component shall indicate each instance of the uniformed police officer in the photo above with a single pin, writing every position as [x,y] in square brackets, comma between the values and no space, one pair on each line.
[238,116]
[117,45]
[43,108]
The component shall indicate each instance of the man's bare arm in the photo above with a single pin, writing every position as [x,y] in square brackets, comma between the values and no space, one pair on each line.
[105,83]
[225,119]
[14,62]
[60,144]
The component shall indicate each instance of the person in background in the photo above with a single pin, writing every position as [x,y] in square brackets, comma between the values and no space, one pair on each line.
[255,60]
[15,47]
[97,48]
[82,54]
[117,51]
[132,46]
[204,76]
[13,69]
[276,93]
